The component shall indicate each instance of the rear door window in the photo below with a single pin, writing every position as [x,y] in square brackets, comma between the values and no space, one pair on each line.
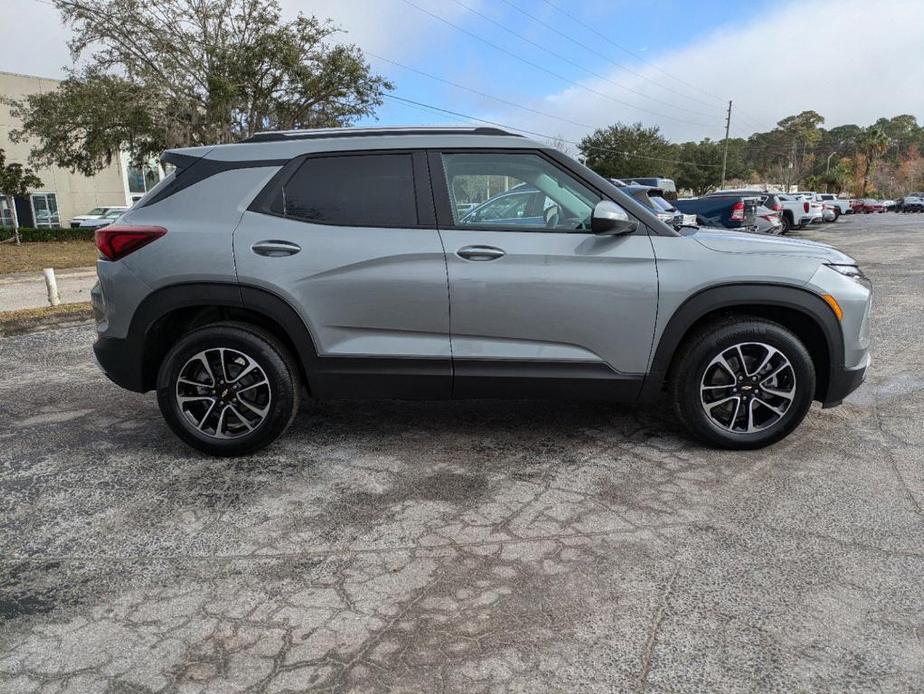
[362,190]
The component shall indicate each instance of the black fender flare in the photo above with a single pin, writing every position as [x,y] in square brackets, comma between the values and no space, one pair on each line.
[166,300]
[740,295]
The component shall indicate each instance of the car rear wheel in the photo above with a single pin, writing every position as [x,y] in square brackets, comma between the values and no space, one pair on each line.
[787,225]
[228,389]
[742,384]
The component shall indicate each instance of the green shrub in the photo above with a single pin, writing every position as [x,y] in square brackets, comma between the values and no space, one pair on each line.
[63,234]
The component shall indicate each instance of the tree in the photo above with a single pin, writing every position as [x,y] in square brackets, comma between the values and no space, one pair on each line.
[800,131]
[191,72]
[626,151]
[15,180]
[873,142]
[699,165]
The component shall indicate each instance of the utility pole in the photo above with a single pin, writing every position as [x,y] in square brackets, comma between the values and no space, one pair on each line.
[725,153]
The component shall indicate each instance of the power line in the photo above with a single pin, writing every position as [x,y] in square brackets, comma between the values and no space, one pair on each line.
[567,60]
[606,38]
[546,70]
[584,45]
[477,91]
[439,109]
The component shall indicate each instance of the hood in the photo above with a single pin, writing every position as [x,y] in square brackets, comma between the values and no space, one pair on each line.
[727,241]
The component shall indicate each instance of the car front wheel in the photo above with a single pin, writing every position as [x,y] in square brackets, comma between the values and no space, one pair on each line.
[742,384]
[228,389]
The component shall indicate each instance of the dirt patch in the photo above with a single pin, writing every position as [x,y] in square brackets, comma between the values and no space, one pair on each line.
[33,319]
[32,256]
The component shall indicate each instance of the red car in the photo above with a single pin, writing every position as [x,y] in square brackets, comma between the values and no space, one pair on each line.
[867,206]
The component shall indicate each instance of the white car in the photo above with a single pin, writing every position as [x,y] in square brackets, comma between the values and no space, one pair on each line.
[104,221]
[95,213]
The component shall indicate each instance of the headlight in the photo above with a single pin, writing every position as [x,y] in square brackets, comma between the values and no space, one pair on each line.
[853,272]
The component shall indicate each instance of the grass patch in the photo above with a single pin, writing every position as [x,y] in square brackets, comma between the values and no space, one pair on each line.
[29,257]
[29,319]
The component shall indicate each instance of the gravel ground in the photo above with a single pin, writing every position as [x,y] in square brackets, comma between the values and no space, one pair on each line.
[475,546]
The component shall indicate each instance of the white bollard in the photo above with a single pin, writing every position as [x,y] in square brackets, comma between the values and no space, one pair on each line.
[52,285]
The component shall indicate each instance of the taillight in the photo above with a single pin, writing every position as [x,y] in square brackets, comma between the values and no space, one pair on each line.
[117,241]
[737,214]
[806,206]
[777,206]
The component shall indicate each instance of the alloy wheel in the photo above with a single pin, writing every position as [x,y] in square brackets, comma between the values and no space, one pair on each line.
[223,393]
[748,387]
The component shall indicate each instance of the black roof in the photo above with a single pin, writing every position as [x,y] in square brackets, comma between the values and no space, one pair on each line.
[285,135]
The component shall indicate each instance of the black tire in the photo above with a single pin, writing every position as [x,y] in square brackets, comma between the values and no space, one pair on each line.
[837,214]
[278,398]
[695,362]
[787,225]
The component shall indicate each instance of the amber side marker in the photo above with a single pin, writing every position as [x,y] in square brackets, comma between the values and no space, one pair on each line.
[836,307]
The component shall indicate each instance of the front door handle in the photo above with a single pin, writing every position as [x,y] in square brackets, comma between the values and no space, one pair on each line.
[480,253]
[275,249]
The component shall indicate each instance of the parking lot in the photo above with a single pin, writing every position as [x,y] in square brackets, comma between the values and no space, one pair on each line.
[477,546]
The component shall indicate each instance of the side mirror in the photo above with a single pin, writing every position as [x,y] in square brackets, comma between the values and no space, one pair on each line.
[609,219]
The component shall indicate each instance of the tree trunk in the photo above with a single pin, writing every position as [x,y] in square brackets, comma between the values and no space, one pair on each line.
[865,177]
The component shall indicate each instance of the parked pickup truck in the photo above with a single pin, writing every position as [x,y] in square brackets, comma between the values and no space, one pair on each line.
[728,211]
[837,205]
[794,213]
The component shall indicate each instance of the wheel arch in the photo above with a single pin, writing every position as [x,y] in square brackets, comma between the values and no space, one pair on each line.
[799,310]
[168,313]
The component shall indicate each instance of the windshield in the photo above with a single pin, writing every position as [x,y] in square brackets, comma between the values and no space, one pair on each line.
[661,205]
[97,210]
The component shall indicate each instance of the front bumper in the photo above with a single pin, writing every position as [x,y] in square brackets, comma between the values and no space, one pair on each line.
[843,383]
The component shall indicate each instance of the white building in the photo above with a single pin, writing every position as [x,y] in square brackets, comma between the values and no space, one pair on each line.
[64,194]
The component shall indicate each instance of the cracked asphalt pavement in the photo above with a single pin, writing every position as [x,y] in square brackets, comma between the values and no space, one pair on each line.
[474,546]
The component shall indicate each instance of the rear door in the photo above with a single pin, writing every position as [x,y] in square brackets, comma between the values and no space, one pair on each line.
[349,240]
[545,308]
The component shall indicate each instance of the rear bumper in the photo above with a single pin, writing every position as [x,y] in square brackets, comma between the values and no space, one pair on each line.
[843,383]
[120,360]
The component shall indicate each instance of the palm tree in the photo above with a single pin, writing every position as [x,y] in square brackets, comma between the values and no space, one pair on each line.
[873,143]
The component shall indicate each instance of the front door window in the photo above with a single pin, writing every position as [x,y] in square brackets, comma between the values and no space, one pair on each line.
[539,196]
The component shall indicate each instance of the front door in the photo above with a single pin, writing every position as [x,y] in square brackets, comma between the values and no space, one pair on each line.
[539,305]
[351,243]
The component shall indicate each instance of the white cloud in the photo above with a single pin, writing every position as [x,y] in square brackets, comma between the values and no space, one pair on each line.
[34,42]
[389,27]
[851,60]
[32,39]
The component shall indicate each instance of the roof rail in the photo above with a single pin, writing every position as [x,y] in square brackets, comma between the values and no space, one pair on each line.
[324,133]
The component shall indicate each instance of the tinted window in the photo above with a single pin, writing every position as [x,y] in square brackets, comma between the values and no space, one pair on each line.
[359,190]
[490,181]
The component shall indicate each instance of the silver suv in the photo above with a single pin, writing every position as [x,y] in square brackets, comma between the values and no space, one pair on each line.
[347,264]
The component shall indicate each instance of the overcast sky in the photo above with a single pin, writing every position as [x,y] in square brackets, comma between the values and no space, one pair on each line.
[674,66]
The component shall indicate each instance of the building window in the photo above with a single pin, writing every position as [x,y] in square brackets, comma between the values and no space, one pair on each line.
[6,214]
[45,210]
[141,179]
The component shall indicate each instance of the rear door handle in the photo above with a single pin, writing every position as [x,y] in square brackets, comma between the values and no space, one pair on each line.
[480,253]
[275,249]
